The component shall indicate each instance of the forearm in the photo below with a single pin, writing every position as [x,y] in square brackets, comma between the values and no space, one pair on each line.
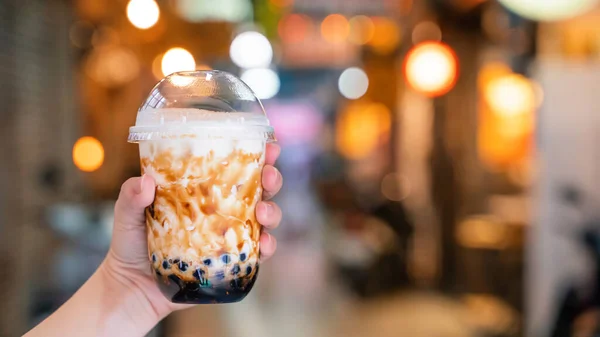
[104,306]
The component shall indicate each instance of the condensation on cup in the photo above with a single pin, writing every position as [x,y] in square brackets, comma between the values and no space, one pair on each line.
[202,137]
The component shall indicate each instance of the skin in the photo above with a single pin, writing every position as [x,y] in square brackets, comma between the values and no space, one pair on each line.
[121,298]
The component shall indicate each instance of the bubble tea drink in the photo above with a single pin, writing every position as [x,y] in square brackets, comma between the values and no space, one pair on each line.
[202,137]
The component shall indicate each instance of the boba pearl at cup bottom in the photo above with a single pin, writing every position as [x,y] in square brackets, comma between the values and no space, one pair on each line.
[202,137]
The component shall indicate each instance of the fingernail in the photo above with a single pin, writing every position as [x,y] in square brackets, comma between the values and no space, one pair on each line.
[141,188]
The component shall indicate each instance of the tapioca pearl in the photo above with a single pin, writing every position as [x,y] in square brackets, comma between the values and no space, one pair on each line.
[207,262]
[220,275]
[236,269]
[166,265]
[226,258]
[199,274]
[153,257]
[243,257]
[183,266]
[236,283]
[248,270]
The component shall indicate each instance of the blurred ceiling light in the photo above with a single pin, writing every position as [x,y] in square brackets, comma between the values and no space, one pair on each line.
[206,10]
[335,28]
[490,72]
[294,28]
[251,50]
[549,10]
[481,232]
[353,83]
[88,154]
[263,81]
[395,187]
[426,31]
[431,68]
[112,66]
[362,29]
[361,127]
[143,14]
[177,59]
[511,95]
[386,35]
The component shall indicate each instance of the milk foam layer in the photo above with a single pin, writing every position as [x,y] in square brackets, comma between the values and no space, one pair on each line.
[202,223]
[153,124]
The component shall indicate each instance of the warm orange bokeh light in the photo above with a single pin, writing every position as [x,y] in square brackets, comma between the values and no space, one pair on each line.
[491,72]
[361,128]
[507,117]
[510,95]
[362,30]
[335,28]
[88,154]
[431,68]
[294,28]
[386,35]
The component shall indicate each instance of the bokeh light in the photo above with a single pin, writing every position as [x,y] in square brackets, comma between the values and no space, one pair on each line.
[335,28]
[386,35]
[112,66]
[481,232]
[177,59]
[362,29]
[353,83]
[426,31]
[88,154]
[431,68]
[263,81]
[490,72]
[361,128]
[251,50]
[205,10]
[549,10]
[143,14]
[294,28]
[511,95]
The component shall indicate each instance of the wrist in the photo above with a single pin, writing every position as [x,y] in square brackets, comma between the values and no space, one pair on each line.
[140,300]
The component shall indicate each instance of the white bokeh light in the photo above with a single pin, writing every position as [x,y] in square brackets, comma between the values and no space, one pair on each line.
[143,13]
[251,50]
[263,81]
[353,83]
[549,10]
[177,59]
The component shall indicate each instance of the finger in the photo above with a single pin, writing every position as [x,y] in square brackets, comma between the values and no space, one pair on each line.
[273,151]
[268,214]
[271,181]
[268,245]
[136,194]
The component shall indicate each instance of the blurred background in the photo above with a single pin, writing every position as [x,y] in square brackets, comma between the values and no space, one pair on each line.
[440,157]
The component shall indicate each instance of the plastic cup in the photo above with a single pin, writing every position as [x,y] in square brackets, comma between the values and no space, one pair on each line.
[202,137]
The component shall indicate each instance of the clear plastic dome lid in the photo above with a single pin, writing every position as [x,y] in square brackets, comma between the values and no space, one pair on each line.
[201,104]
